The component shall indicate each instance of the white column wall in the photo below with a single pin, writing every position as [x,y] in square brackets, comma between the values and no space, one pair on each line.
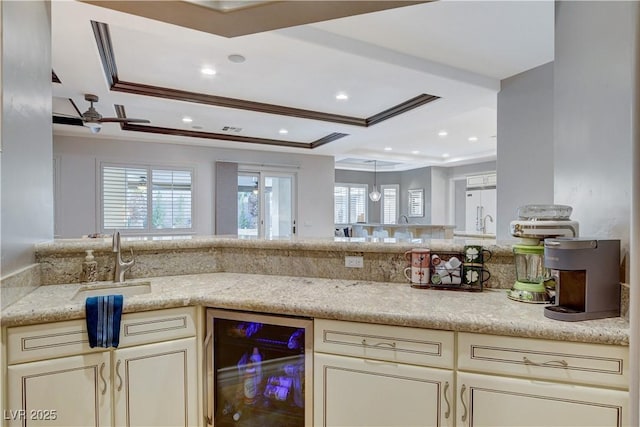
[27,165]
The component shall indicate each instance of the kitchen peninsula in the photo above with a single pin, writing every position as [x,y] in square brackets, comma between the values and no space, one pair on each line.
[178,279]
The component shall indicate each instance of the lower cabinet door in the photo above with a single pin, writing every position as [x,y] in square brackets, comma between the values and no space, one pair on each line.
[156,384]
[65,392]
[352,392]
[485,400]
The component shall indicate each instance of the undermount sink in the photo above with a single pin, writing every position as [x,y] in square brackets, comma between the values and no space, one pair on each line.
[126,289]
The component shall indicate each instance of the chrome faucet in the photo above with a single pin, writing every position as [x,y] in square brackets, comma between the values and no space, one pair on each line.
[406,219]
[484,223]
[120,266]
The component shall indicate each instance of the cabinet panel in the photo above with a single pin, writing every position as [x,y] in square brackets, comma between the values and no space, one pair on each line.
[358,392]
[154,326]
[156,384]
[65,392]
[510,402]
[393,343]
[602,365]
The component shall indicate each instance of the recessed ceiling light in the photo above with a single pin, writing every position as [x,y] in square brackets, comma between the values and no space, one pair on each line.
[473,138]
[388,148]
[237,58]
[445,155]
[187,119]
[208,71]
[443,133]
[342,96]
[415,152]
[283,131]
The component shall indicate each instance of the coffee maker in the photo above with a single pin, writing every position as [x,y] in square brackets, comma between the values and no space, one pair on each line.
[587,275]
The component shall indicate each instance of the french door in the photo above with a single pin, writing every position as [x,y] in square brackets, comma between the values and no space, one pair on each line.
[266,204]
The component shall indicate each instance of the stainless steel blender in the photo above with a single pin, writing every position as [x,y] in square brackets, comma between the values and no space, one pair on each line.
[534,283]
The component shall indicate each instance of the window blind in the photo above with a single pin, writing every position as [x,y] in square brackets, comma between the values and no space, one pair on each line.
[389,204]
[146,199]
[350,203]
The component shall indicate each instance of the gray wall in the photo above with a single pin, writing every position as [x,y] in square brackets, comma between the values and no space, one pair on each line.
[27,168]
[80,159]
[525,144]
[594,76]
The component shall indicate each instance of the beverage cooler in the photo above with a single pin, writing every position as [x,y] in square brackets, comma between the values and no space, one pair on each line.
[258,370]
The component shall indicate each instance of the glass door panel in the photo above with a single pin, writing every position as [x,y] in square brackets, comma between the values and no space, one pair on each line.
[259,367]
[278,204]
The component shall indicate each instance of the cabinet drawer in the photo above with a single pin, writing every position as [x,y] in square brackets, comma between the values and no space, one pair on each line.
[51,340]
[596,364]
[382,342]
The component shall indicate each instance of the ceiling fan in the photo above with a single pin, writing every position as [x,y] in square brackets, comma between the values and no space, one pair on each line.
[93,120]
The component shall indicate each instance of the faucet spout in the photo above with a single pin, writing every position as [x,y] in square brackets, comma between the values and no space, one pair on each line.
[121,267]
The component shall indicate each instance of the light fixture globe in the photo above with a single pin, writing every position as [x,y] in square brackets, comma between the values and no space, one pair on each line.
[375,194]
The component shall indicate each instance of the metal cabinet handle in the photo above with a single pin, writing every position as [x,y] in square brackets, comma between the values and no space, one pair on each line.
[551,363]
[205,369]
[446,399]
[464,405]
[104,382]
[118,374]
[380,344]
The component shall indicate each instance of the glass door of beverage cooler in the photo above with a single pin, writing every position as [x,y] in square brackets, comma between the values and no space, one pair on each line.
[259,370]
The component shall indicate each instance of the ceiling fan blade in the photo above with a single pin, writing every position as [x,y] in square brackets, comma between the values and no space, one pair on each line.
[122,120]
[68,120]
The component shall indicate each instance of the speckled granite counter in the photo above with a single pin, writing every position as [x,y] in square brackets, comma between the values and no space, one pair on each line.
[487,312]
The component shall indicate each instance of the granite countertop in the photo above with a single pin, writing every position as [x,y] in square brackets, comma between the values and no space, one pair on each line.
[489,312]
[357,244]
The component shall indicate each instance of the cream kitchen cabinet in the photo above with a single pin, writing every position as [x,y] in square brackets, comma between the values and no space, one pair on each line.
[507,381]
[150,380]
[69,391]
[375,375]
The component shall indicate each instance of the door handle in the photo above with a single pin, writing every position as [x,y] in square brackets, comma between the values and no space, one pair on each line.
[104,382]
[446,399]
[464,405]
[118,374]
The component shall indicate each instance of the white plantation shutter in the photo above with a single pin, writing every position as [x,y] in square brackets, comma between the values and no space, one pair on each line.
[341,204]
[357,204]
[349,203]
[146,199]
[124,198]
[390,204]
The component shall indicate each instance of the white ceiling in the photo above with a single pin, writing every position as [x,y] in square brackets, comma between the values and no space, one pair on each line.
[457,50]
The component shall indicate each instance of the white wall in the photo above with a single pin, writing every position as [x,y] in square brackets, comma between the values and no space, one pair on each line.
[79,174]
[525,144]
[593,81]
[27,171]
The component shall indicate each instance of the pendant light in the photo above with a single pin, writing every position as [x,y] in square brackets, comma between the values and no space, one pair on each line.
[375,194]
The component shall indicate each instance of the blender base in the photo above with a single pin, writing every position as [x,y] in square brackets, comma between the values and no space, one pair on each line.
[529,292]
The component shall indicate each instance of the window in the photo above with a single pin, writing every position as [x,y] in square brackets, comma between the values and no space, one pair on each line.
[389,204]
[416,202]
[130,203]
[350,203]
